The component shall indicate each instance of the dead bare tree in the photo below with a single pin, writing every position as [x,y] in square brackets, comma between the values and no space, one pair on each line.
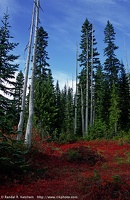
[87,65]
[76,93]
[21,120]
[91,107]
[28,134]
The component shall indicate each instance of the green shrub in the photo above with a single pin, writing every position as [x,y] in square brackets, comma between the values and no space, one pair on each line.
[128,157]
[116,178]
[82,155]
[98,130]
[12,157]
[67,138]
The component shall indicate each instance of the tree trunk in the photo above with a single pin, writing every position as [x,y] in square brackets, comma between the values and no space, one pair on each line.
[75,119]
[91,108]
[86,113]
[21,120]
[127,65]
[82,110]
[28,134]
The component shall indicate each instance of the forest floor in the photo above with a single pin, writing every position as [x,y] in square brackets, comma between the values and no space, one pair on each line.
[94,170]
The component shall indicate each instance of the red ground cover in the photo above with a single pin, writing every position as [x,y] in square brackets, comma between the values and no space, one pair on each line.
[54,177]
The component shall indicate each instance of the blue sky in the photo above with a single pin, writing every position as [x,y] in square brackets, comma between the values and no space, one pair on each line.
[63,19]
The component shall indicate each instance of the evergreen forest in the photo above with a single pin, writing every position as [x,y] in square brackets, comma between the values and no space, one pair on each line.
[99,108]
[96,114]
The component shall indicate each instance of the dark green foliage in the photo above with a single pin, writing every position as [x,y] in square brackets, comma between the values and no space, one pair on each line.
[67,138]
[110,87]
[41,54]
[7,67]
[26,107]
[18,95]
[54,109]
[79,124]
[12,156]
[87,76]
[124,99]
[64,122]
[18,163]
[98,130]
[42,82]
[68,123]
[87,30]
[44,97]
[96,188]
[116,92]
[99,93]
[45,108]
[60,110]
[7,75]
[114,111]
[82,155]
[7,112]
[112,64]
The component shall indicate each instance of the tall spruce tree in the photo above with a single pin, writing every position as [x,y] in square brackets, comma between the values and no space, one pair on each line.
[41,71]
[111,64]
[111,67]
[98,130]
[89,61]
[124,99]
[7,73]
[44,99]
[41,54]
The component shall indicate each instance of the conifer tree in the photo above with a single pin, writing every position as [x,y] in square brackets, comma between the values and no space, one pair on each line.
[18,94]
[111,64]
[76,94]
[59,118]
[70,112]
[124,99]
[80,121]
[111,67]
[41,54]
[89,61]
[44,99]
[99,93]
[67,110]
[41,71]
[7,67]
[114,111]
[64,108]
[45,106]
[7,72]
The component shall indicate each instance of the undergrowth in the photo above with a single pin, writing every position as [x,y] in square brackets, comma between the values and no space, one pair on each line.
[83,154]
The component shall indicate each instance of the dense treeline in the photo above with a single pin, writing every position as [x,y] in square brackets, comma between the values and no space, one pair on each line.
[101,102]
